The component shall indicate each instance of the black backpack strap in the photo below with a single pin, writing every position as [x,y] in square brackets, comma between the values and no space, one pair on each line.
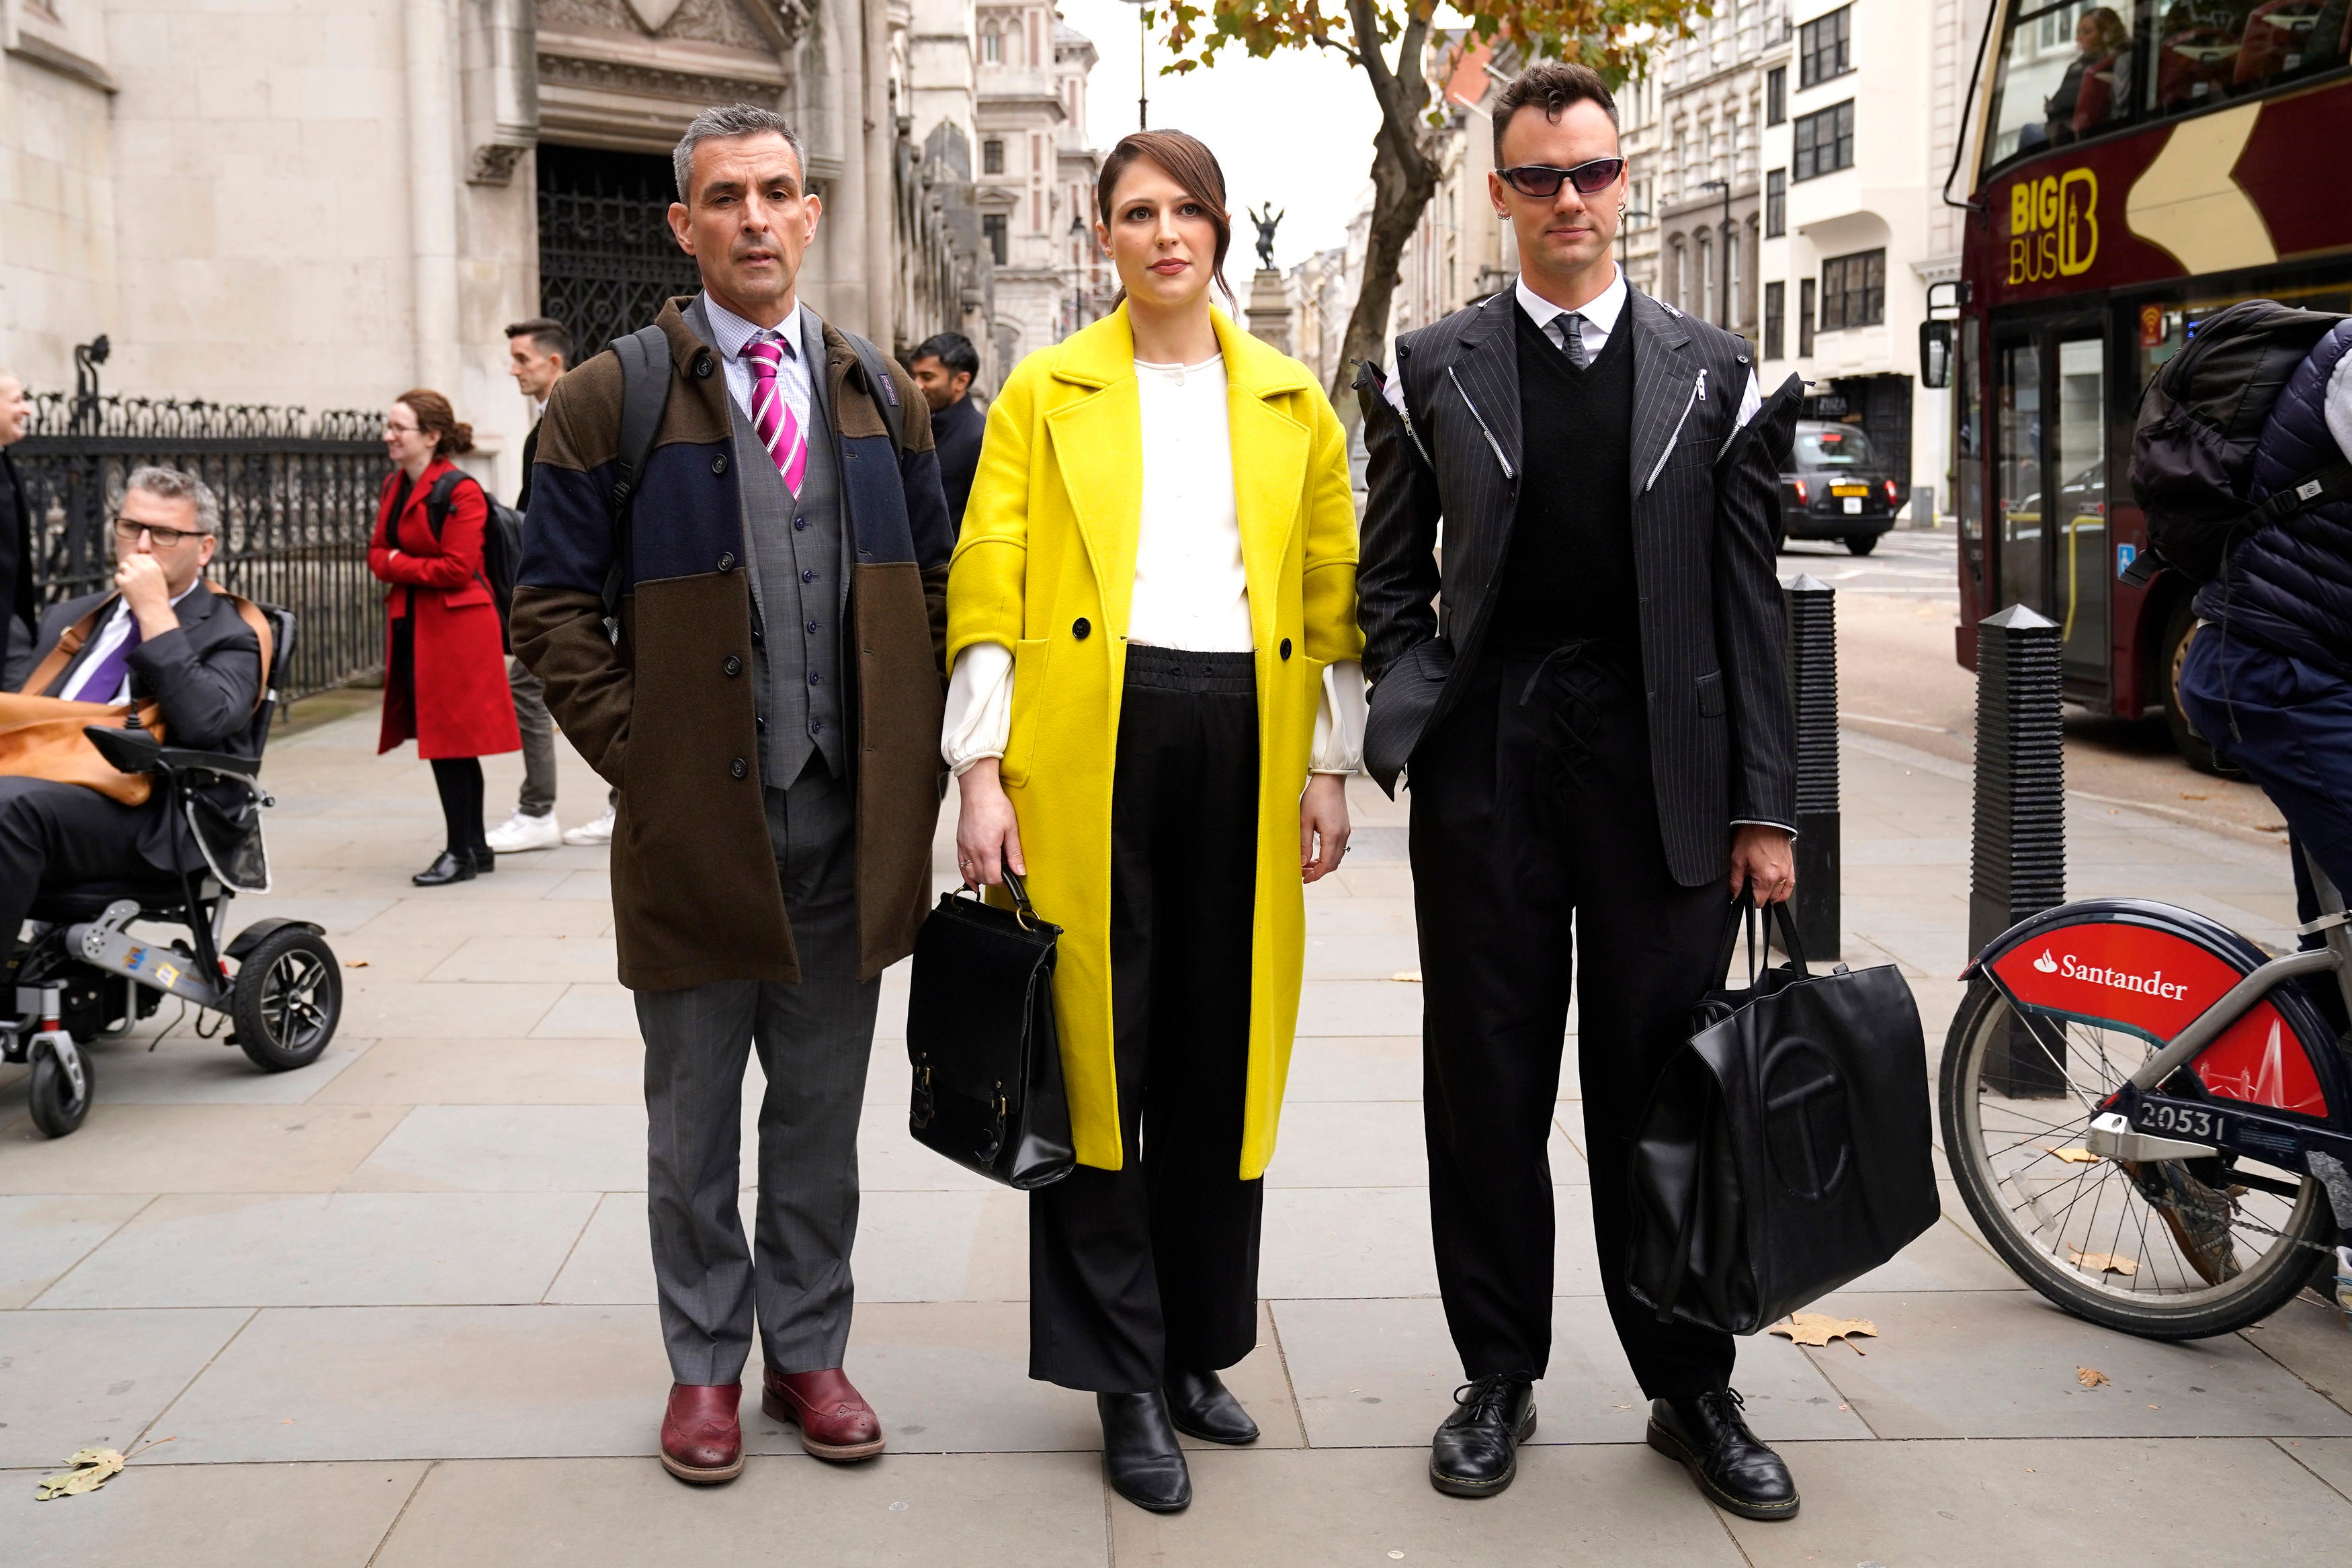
[437,499]
[2333,483]
[644,393]
[883,390]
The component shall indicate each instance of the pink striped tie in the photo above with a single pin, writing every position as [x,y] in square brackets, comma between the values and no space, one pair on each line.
[771,416]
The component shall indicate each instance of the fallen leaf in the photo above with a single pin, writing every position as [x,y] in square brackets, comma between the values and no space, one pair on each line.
[1410,977]
[355,963]
[2187,796]
[1817,1329]
[2076,1156]
[2105,1262]
[2091,1376]
[93,1469]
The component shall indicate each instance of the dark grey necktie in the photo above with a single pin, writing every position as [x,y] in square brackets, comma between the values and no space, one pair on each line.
[1571,339]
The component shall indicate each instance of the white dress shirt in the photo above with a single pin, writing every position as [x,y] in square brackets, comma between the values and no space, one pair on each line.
[1190,589]
[734,335]
[109,637]
[1599,318]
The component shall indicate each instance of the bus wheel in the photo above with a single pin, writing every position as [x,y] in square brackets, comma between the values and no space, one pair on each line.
[2178,628]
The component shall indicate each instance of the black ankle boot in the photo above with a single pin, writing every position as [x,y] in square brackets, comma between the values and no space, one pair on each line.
[486,859]
[1141,1454]
[1709,1436]
[1204,1407]
[447,867]
[1476,1452]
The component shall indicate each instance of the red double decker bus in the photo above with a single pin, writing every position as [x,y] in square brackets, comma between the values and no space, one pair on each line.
[2138,165]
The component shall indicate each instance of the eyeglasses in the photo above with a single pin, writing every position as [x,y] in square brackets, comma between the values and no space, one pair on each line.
[392,429]
[128,532]
[1542,180]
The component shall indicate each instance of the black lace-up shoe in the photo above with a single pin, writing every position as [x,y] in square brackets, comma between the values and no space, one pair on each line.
[1141,1454]
[1204,1407]
[1710,1438]
[1476,1452]
[446,869]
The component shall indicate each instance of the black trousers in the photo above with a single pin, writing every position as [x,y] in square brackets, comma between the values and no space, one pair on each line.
[1534,822]
[55,837]
[1155,1264]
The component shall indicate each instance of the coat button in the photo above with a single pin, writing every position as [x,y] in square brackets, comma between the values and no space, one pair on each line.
[719,464]
[702,366]
[807,576]
[800,522]
[1285,647]
[726,560]
[1079,628]
[737,769]
[733,666]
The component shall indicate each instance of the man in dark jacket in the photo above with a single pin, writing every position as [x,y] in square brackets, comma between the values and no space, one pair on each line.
[945,365]
[1588,695]
[160,635]
[771,715]
[2268,679]
[17,587]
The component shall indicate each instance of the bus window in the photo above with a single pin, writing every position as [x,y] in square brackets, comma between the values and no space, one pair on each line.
[2066,72]
[2018,459]
[2205,51]
[2080,452]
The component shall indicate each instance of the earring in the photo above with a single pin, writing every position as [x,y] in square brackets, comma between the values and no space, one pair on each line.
[1620,209]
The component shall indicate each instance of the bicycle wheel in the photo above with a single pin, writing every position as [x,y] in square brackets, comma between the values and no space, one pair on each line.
[2173,1250]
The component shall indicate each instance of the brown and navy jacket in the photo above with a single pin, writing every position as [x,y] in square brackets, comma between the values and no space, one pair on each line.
[666,715]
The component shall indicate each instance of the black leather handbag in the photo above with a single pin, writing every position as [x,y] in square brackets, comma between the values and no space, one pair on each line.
[980,1037]
[1784,1151]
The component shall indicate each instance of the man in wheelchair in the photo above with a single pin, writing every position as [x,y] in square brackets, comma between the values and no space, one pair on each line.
[185,661]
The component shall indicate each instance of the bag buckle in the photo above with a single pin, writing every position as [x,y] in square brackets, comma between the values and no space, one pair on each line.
[987,1152]
[923,1108]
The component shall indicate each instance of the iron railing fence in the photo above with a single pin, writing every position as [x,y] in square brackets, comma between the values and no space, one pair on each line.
[298,494]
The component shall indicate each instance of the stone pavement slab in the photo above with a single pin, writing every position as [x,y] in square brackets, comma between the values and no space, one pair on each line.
[47,1236]
[492,1073]
[194,1148]
[186,1516]
[78,1380]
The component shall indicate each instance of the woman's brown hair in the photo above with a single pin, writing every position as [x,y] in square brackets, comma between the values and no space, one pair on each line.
[1186,160]
[451,437]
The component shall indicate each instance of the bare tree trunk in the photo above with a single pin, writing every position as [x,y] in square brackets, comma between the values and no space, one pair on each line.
[1404,179]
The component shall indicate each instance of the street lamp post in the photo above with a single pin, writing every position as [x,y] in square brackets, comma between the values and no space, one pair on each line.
[1724,295]
[1624,246]
[1142,53]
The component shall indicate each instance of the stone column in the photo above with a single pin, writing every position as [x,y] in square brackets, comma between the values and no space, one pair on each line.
[431,192]
[1269,308]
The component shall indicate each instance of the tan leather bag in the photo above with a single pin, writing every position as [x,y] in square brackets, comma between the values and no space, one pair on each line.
[41,738]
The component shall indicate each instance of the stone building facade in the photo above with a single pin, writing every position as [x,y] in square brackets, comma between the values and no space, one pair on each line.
[1037,176]
[1712,99]
[325,202]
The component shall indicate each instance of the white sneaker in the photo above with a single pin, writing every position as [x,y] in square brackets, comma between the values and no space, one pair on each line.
[522,832]
[599,831]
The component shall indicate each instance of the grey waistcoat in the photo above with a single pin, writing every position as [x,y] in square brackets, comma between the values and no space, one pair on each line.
[799,592]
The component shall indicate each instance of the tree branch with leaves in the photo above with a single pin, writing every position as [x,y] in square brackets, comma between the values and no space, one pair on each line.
[1390,41]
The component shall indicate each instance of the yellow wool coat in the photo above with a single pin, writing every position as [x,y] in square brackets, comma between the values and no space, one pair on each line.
[1048,548]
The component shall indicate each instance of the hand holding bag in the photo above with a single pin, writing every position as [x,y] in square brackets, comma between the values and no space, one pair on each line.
[1785,1149]
[980,1037]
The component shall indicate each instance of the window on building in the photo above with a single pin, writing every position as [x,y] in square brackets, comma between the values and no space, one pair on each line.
[1776,204]
[1805,318]
[1776,305]
[1776,95]
[1678,276]
[991,46]
[1037,209]
[991,228]
[1035,53]
[1825,47]
[1825,141]
[992,157]
[1706,310]
[1854,290]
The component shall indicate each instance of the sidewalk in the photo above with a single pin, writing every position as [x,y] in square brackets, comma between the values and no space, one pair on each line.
[395,1308]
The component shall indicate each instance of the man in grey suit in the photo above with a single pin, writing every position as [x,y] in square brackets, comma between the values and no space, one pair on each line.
[1597,728]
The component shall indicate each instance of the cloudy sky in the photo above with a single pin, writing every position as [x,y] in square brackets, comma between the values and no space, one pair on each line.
[1296,129]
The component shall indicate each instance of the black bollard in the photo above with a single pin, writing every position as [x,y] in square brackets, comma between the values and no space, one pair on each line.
[1812,684]
[2018,860]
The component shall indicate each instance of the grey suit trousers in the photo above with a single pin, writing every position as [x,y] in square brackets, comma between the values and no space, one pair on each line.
[814,1041]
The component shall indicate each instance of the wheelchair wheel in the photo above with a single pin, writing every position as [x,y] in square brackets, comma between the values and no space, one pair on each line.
[287,999]
[2165,1249]
[56,1108]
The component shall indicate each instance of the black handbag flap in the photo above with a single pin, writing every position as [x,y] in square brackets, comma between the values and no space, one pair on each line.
[977,970]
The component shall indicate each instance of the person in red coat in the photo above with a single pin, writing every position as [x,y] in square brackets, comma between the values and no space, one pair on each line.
[444,683]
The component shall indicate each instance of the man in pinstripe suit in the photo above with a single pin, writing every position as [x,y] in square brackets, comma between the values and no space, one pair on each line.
[1596,723]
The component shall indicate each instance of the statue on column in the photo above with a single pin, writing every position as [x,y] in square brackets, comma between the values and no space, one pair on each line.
[1265,218]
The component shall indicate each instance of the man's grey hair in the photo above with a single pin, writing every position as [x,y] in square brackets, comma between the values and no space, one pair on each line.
[179,485]
[724,123]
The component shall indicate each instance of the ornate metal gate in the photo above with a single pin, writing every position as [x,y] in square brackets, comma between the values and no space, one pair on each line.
[606,260]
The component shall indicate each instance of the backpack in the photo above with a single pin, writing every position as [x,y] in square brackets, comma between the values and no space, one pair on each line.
[2201,418]
[501,543]
[644,393]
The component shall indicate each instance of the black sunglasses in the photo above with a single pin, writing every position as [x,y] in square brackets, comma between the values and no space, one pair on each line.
[1541,180]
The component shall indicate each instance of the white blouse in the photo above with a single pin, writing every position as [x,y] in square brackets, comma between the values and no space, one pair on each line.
[1191,590]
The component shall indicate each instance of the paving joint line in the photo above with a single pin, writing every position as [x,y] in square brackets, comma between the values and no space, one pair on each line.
[210,1362]
[594,1209]
[35,1304]
[405,1503]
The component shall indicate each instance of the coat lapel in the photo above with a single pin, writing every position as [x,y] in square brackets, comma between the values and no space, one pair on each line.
[1663,381]
[1099,449]
[1270,452]
[1488,369]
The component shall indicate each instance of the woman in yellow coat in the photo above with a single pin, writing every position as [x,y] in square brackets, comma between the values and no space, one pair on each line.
[1151,626]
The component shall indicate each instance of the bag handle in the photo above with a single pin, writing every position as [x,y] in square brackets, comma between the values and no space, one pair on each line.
[1021,907]
[1743,911]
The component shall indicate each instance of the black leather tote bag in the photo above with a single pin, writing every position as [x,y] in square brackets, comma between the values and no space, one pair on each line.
[1784,1150]
[979,1035]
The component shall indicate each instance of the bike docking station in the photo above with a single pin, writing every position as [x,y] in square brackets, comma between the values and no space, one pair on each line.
[1813,690]
[2145,1113]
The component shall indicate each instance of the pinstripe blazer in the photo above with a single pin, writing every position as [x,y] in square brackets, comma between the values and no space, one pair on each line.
[1722,737]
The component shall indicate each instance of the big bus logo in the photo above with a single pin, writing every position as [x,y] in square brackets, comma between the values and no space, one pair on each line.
[2053,226]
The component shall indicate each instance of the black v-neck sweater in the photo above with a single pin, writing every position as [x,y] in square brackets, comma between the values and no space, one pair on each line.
[1569,573]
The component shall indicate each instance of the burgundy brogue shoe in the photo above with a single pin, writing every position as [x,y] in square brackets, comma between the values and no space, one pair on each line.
[834,1420]
[701,1438]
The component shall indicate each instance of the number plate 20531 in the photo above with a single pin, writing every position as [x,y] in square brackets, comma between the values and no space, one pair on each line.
[2198,1121]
